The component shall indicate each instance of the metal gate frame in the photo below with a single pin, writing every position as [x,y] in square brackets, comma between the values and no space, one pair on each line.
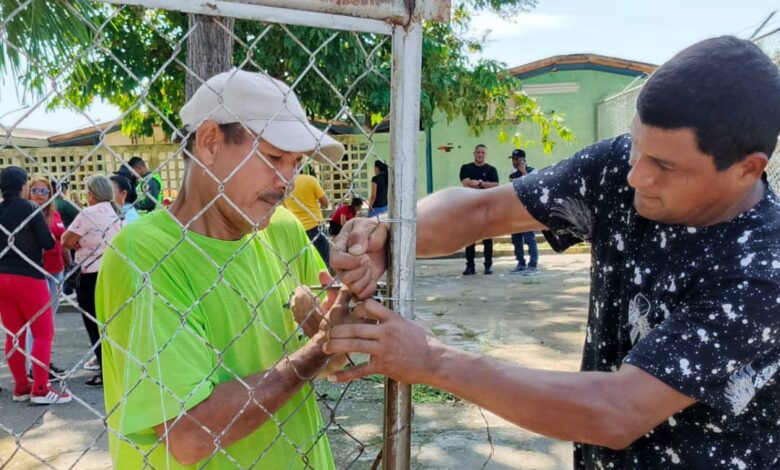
[379,17]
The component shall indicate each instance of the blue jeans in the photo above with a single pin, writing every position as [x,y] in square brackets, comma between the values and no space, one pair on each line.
[375,211]
[54,291]
[320,242]
[533,253]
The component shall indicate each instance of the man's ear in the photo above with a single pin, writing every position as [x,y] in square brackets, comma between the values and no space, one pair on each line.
[208,139]
[751,168]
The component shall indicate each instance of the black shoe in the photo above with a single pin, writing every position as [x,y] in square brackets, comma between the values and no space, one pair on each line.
[469,272]
[55,373]
[488,270]
[95,381]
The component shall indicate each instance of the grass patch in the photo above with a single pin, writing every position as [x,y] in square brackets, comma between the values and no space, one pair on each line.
[428,394]
[422,393]
[469,334]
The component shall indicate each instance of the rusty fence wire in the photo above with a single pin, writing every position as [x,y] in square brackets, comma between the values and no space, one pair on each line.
[157,332]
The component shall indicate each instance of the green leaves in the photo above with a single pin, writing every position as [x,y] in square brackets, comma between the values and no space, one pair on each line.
[135,58]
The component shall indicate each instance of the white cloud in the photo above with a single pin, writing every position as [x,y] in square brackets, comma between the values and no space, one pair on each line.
[524,24]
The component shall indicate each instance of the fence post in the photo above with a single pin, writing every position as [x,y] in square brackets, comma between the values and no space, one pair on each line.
[404,128]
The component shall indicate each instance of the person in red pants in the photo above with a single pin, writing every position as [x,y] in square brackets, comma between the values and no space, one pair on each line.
[24,294]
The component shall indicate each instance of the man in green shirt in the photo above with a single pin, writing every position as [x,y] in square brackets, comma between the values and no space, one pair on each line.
[150,186]
[68,209]
[203,365]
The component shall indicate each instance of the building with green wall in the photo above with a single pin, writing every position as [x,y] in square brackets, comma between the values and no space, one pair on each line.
[571,85]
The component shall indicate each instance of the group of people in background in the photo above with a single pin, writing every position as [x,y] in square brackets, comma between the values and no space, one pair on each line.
[481,175]
[307,199]
[50,245]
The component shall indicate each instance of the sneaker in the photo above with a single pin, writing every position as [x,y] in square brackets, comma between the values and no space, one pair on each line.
[519,269]
[49,396]
[531,271]
[92,364]
[469,272]
[488,270]
[22,395]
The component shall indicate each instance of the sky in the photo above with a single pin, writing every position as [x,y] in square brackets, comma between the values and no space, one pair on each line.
[646,31]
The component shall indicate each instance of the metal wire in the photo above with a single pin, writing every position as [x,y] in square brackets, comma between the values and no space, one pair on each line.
[614,114]
[104,157]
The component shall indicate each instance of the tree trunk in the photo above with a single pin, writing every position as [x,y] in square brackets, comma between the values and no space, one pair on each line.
[209,49]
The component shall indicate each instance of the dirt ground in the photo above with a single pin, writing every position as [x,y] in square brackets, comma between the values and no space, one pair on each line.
[532,321]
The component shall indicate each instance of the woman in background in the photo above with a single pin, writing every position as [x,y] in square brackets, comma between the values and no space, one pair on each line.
[24,295]
[378,201]
[90,235]
[125,196]
[54,260]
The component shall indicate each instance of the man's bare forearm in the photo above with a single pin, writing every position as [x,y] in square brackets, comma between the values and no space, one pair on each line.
[579,407]
[610,409]
[453,218]
[193,437]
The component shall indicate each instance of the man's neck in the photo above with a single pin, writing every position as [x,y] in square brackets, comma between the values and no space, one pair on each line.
[479,164]
[749,200]
[212,223]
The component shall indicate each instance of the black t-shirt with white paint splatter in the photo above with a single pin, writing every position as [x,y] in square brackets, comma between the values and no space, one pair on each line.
[698,308]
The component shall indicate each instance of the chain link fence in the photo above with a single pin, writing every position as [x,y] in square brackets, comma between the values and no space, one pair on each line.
[203,328]
[770,43]
[614,114]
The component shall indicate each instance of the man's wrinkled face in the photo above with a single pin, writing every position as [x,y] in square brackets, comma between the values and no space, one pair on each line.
[479,155]
[255,175]
[674,181]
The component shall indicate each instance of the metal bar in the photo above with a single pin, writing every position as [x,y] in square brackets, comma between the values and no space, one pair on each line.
[428,160]
[266,14]
[404,141]
[395,10]
[763,36]
[763,23]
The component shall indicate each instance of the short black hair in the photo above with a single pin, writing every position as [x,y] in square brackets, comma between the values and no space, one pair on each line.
[125,185]
[480,145]
[356,201]
[726,90]
[136,161]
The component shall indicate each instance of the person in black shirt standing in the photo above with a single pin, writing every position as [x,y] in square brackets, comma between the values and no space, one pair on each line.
[377,202]
[681,360]
[479,175]
[24,293]
[528,238]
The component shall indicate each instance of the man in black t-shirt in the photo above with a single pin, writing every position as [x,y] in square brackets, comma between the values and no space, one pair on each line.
[525,238]
[681,361]
[479,175]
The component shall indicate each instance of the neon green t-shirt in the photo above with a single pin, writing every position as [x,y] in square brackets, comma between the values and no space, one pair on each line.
[190,327]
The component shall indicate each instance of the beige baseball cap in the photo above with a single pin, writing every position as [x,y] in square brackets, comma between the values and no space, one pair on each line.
[266,106]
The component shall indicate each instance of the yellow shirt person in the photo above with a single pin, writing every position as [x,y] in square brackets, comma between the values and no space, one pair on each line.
[305,200]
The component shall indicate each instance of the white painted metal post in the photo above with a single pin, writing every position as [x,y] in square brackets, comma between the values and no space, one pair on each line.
[404,129]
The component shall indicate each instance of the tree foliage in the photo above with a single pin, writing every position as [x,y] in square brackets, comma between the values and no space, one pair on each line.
[135,59]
